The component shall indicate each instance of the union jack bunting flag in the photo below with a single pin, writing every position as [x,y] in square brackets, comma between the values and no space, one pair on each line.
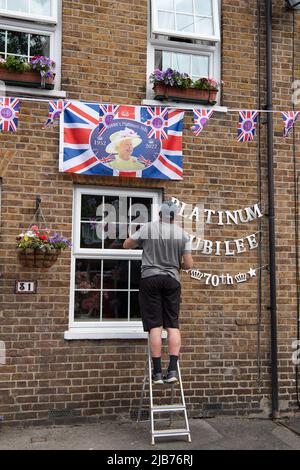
[9,114]
[201,118]
[157,122]
[247,125]
[106,115]
[136,141]
[289,119]
[56,107]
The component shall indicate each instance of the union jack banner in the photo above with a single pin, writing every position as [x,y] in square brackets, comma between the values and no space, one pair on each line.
[247,125]
[124,148]
[9,114]
[201,118]
[106,115]
[56,107]
[289,119]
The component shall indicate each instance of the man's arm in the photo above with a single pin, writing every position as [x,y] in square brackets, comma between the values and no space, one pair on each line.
[187,261]
[129,244]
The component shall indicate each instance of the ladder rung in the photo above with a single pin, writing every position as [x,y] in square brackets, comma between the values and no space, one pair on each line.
[160,408]
[171,432]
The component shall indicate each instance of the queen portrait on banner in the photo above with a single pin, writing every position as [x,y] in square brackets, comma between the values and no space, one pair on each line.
[122,145]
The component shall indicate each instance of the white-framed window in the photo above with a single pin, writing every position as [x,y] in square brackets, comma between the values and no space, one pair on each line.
[34,10]
[104,276]
[31,27]
[184,35]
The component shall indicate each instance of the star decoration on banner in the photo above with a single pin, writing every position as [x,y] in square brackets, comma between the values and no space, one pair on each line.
[252,272]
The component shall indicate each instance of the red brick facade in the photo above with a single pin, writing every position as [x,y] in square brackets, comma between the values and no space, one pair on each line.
[225,356]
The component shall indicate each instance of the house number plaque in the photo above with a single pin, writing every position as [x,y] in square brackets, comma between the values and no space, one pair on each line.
[25,287]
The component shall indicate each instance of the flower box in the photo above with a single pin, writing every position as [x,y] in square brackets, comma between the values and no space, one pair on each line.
[190,95]
[30,78]
[37,257]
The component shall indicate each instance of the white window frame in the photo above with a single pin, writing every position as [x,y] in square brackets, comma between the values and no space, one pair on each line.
[51,28]
[27,16]
[212,51]
[215,37]
[105,329]
[25,29]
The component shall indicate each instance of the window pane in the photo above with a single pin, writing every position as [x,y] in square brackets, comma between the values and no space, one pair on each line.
[141,209]
[39,45]
[117,207]
[2,4]
[134,307]
[166,60]
[203,7]
[2,41]
[90,206]
[200,66]
[165,4]
[115,235]
[18,5]
[166,21]
[135,274]
[204,26]
[17,43]
[181,62]
[91,235]
[185,23]
[185,6]
[115,306]
[115,274]
[88,274]
[41,7]
[87,306]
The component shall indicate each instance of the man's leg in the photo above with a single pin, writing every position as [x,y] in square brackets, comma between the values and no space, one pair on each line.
[174,341]
[171,301]
[155,348]
[174,344]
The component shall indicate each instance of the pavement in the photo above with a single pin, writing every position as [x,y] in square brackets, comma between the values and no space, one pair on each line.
[218,433]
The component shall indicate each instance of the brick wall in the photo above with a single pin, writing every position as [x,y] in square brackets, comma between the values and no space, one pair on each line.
[226,337]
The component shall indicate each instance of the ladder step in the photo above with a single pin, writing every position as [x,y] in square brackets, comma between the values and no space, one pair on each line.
[171,432]
[160,408]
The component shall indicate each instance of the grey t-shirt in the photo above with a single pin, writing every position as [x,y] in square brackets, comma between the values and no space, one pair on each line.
[163,245]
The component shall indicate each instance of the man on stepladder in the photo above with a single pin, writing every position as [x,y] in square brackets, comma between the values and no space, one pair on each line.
[166,249]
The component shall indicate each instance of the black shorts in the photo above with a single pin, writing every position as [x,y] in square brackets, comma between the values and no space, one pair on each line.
[159,300]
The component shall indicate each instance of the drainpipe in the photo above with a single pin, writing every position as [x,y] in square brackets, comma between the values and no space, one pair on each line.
[272,247]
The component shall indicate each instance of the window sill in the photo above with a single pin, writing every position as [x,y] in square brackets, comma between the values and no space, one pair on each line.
[40,92]
[187,106]
[107,333]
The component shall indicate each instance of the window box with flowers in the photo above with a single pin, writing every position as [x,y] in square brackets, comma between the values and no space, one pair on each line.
[172,85]
[39,249]
[38,73]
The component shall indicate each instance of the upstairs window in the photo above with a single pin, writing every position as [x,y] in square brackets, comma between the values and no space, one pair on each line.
[29,28]
[185,36]
[186,18]
[42,10]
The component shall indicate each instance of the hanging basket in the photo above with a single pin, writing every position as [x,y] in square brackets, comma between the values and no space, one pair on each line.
[37,258]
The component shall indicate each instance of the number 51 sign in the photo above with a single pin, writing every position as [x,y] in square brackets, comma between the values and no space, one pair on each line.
[25,287]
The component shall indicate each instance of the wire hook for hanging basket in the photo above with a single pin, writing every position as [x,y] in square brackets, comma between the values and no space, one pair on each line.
[38,215]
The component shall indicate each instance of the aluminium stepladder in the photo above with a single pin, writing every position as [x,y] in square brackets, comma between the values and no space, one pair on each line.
[181,407]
